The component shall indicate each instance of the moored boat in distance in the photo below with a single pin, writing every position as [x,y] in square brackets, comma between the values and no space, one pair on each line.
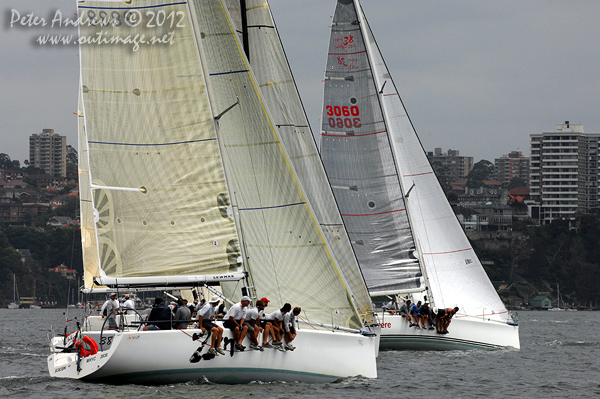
[14,304]
[405,235]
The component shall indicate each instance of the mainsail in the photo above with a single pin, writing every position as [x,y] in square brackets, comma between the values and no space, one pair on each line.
[360,162]
[148,126]
[184,127]
[454,274]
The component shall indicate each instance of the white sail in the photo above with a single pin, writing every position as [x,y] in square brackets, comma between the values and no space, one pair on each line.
[356,151]
[453,272]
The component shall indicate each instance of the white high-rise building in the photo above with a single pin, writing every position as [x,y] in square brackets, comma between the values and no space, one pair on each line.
[564,172]
[48,151]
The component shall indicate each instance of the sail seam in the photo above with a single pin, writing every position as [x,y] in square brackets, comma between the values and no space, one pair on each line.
[448,252]
[228,73]
[152,145]
[358,52]
[271,207]
[133,8]
[418,174]
[351,135]
[372,214]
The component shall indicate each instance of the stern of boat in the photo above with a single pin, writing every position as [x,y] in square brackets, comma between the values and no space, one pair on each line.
[68,363]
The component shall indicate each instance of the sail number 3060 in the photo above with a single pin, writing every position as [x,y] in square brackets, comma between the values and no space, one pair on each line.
[346,111]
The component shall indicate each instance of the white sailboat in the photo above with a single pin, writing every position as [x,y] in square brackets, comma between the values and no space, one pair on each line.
[14,304]
[185,182]
[35,304]
[403,230]
[558,308]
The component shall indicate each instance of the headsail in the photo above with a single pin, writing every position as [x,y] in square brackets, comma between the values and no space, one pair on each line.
[360,162]
[280,95]
[455,274]
[288,256]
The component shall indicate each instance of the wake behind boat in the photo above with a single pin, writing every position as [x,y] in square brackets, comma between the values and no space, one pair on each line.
[186,182]
[406,237]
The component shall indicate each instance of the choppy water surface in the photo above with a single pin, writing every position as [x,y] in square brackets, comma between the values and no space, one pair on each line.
[559,358]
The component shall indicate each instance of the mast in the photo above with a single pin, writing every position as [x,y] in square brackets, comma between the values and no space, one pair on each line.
[245,38]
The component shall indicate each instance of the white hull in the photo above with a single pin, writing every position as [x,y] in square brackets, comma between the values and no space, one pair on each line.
[464,333]
[160,357]
[13,305]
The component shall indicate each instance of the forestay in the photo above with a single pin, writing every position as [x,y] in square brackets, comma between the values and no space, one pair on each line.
[357,154]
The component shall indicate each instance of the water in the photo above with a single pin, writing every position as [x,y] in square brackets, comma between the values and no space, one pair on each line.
[559,358]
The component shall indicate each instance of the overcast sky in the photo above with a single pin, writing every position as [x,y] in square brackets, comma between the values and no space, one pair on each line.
[476,76]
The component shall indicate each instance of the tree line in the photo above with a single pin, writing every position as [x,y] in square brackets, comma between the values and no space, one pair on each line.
[562,252]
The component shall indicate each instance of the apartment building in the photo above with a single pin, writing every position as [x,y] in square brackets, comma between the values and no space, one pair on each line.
[564,172]
[512,165]
[48,151]
[455,166]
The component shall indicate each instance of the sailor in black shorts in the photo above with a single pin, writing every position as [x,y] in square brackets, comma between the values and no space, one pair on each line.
[206,320]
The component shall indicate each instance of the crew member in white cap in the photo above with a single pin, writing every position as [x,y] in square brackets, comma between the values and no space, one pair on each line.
[234,320]
[110,308]
[206,317]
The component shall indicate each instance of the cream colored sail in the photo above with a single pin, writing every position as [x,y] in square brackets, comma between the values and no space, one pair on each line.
[289,258]
[277,87]
[89,243]
[148,126]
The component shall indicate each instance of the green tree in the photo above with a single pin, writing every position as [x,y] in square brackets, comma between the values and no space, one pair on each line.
[7,163]
[482,170]
[69,208]
[441,172]
[516,182]
[71,155]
